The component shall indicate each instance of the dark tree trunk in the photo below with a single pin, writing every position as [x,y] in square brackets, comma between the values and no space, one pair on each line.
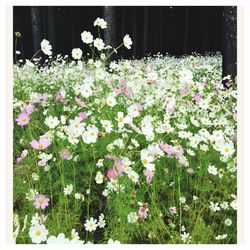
[36,27]
[134,31]
[109,32]
[51,26]
[185,45]
[145,29]
[229,49]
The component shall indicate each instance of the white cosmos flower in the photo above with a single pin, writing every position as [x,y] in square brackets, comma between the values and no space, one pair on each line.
[214,206]
[90,135]
[86,90]
[123,120]
[99,177]
[99,44]
[212,170]
[147,160]
[132,217]
[60,239]
[68,189]
[87,37]
[111,241]
[46,47]
[127,41]
[51,122]
[132,175]
[76,127]
[185,76]
[76,53]
[91,224]
[101,23]
[38,233]
[107,125]
[227,149]
[111,101]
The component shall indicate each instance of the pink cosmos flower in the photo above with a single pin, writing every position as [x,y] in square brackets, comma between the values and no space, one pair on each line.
[111,174]
[197,97]
[139,106]
[109,156]
[41,201]
[172,210]
[149,175]
[79,102]
[65,154]
[28,108]
[118,166]
[184,91]
[178,151]
[23,119]
[40,97]
[165,147]
[19,159]
[42,144]
[82,115]
[190,171]
[171,110]
[143,212]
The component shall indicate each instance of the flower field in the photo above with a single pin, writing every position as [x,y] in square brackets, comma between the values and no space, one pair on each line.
[131,151]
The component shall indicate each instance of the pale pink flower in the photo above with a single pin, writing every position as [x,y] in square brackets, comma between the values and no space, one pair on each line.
[165,147]
[82,115]
[172,210]
[28,108]
[184,91]
[149,175]
[139,106]
[119,166]
[23,119]
[143,212]
[65,154]
[197,97]
[41,144]
[41,201]
[111,174]
[79,102]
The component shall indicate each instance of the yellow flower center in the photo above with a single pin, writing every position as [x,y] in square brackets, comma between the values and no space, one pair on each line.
[41,201]
[145,161]
[40,146]
[38,233]
[23,119]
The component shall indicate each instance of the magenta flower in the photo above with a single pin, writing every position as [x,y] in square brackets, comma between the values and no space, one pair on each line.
[143,212]
[65,154]
[149,175]
[23,119]
[82,115]
[41,201]
[42,144]
[111,174]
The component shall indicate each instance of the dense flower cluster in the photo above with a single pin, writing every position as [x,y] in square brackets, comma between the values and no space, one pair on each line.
[137,151]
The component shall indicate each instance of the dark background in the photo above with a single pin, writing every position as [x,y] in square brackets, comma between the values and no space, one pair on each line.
[176,30]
